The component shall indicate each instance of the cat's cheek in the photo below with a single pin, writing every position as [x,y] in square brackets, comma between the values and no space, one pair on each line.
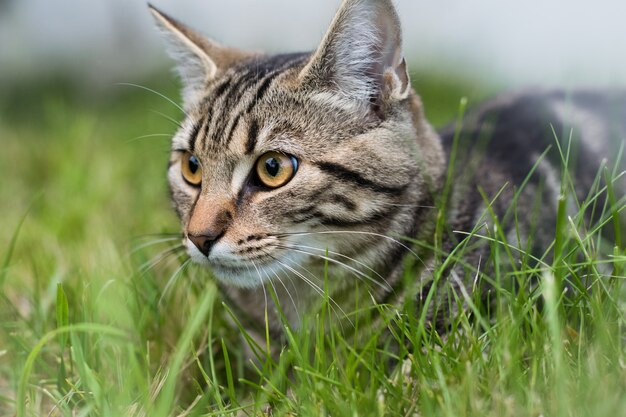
[222,253]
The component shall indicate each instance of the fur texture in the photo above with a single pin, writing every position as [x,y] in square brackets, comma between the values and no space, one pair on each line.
[370,166]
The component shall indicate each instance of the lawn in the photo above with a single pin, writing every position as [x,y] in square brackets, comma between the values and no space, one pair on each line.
[97,318]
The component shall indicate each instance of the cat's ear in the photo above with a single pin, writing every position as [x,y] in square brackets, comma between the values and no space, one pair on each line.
[198,58]
[360,56]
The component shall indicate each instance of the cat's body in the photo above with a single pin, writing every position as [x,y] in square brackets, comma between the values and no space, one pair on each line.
[511,140]
[290,164]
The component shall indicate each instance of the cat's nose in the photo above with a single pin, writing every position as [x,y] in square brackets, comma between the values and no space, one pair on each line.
[208,223]
[205,242]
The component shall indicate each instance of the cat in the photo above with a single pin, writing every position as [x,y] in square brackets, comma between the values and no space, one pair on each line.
[286,165]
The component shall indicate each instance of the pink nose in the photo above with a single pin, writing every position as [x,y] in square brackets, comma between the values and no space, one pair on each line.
[205,242]
[208,222]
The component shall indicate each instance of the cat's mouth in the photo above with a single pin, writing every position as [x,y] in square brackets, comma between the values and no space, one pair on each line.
[250,267]
[244,275]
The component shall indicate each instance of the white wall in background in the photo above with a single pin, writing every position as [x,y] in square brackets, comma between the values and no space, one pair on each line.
[530,41]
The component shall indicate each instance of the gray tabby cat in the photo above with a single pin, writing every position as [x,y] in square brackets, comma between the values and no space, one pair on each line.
[286,163]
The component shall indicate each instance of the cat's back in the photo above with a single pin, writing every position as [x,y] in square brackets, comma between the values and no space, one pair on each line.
[515,126]
[502,141]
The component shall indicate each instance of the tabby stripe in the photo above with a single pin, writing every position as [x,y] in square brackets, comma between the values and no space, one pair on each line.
[263,86]
[207,123]
[310,213]
[216,93]
[343,173]
[243,84]
[373,218]
[303,210]
[305,218]
[253,132]
[194,135]
[222,105]
[344,201]
[320,197]
[233,127]
[260,92]
[297,215]
[208,102]
[290,61]
[221,89]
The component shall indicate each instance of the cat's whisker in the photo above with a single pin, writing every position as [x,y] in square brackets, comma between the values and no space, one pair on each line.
[151,235]
[357,232]
[295,307]
[179,271]
[277,301]
[160,257]
[356,272]
[334,305]
[330,252]
[152,243]
[166,117]
[261,282]
[153,135]
[163,96]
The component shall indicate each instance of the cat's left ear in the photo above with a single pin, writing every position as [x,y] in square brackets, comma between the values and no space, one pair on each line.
[198,58]
[360,57]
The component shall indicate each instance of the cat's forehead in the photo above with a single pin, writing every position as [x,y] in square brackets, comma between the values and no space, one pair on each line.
[231,99]
[254,103]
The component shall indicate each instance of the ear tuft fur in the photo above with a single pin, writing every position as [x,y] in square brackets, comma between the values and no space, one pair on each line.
[199,59]
[360,56]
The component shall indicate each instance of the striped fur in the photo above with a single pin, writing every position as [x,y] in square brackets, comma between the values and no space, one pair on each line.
[370,165]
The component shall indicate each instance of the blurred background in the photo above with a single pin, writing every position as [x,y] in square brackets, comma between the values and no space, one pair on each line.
[557,42]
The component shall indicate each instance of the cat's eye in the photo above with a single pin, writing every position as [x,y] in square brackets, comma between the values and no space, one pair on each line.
[275,169]
[191,169]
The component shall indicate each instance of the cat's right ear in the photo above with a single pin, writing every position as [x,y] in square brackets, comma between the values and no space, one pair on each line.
[198,58]
[360,57]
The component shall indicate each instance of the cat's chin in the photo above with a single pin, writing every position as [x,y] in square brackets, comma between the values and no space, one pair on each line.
[241,274]
[244,276]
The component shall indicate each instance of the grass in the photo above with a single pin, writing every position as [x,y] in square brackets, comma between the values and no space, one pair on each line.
[96,317]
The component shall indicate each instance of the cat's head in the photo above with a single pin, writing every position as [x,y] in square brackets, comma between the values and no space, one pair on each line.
[284,161]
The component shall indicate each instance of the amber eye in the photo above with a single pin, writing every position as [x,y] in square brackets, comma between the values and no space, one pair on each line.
[191,169]
[275,169]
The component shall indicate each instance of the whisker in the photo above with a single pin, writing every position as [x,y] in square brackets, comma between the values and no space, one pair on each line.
[166,117]
[274,288]
[152,243]
[350,259]
[358,232]
[158,94]
[172,279]
[165,234]
[160,257]
[261,282]
[357,273]
[317,289]
[295,307]
[153,135]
